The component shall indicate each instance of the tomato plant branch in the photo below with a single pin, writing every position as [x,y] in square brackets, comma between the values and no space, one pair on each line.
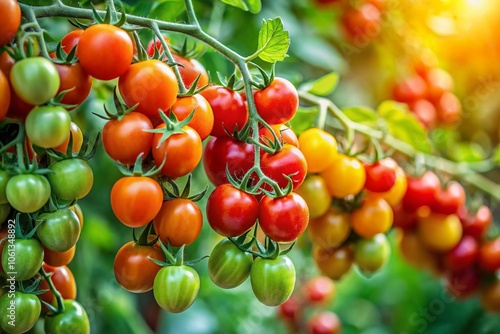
[57,294]
[458,169]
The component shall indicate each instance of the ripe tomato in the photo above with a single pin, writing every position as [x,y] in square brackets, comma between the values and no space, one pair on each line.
[344,177]
[133,269]
[151,85]
[283,132]
[63,280]
[465,254]
[464,283]
[190,70]
[319,148]
[314,191]
[71,39]
[59,230]
[438,82]
[421,191]
[319,290]
[283,219]
[325,322]
[410,89]
[230,211]
[290,310]
[125,139]
[449,109]
[183,152]
[288,161]
[203,119]
[76,137]
[425,112]
[395,195]
[373,217]
[333,262]
[489,256]
[74,319]
[4,95]
[176,287]
[415,253]
[71,179]
[372,254]
[381,175]
[57,259]
[449,200]
[179,222]
[35,80]
[27,255]
[11,20]
[361,24]
[105,51]
[54,131]
[224,152]
[75,78]
[272,280]
[136,200]
[403,219]
[278,102]
[331,229]
[477,225]
[28,192]
[26,307]
[229,110]
[440,233]
[490,296]
[228,266]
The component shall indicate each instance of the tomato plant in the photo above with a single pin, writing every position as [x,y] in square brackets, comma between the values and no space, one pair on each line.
[176,287]
[228,266]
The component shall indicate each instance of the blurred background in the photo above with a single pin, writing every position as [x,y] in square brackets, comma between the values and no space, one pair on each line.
[457,36]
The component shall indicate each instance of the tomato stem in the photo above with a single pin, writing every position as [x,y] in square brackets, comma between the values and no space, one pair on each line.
[57,294]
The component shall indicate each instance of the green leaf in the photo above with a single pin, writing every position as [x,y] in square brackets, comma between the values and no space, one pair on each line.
[363,115]
[273,41]
[168,10]
[303,119]
[468,152]
[252,6]
[404,125]
[323,86]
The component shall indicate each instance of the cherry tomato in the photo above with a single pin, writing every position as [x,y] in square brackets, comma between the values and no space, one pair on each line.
[449,109]
[477,225]
[179,222]
[70,40]
[134,270]
[331,229]
[176,287]
[284,133]
[76,137]
[125,139]
[27,192]
[403,219]
[464,283]
[381,175]
[319,149]
[272,280]
[449,200]
[228,266]
[63,281]
[333,262]
[151,85]
[410,89]
[278,102]
[344,177]
[59,230]
[54,131]
[361,24]
[490,296]
[316,195]
[182,151]
[74,320]
[4,96]
[71,179]
[24,307]
[438,82]
[75,79]
[288,161]
[283,219]
[190,70]
[58,259]
[440,233]
[224,152]
[203,119]
[290,310]
[229,110]
[372,254]
[325,322]
[319,290]
[421,191]
[23,257]
[136,200]
[230,211]
[425,112]
[373,217]
[465,254]
[11,20]
[489,256]
[415,253]
[395,195]
[105,51]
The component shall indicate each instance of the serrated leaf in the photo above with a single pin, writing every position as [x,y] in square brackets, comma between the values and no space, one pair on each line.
[252,6]
[323,86]
[404,125]
[363,115]
[273,41]
[303,119]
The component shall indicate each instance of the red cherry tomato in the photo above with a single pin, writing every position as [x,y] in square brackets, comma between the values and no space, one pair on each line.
[477,225]
[489,256]
[421,191]
[278,102]
[449,200]
[464,255]
[288,161]
[410,89]
[381,175]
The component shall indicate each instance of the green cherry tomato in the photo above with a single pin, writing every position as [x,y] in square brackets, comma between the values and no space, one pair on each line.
[4,179]
[59,230]
[314,191]
[73,320]
[272,280]
[48,126]
[28,192]
[228,266]
[35,80]
[372,254]
[175,288]
[22,257]
[19,312]
[72,179]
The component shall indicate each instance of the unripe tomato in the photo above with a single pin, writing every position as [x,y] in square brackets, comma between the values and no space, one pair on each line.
[28,258]
[228,266]
[59,230]
[415,253]
[314,191]
[331,229]
[71,179]
[278,102]
[440,233]
[319,149]
[373,217]
[372,254]
[26,309]
[74,320]
[54,131]
[333,262]
[27,192]
[176,287]
[344,177]
[272,280]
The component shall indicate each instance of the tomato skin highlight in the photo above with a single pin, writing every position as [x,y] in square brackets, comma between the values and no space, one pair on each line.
[230,211]
[105,51]
[283,219]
